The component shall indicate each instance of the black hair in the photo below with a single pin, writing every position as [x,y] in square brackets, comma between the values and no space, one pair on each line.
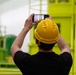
[44,46]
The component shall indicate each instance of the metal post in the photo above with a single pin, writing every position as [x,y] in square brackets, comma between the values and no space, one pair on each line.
[40,6]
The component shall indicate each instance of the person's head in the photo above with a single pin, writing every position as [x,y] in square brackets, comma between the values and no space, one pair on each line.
[46,34]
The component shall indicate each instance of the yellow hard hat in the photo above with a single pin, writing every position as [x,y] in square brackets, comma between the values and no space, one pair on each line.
[47,32]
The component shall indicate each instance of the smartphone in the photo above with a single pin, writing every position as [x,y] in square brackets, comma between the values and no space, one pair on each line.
[37,17]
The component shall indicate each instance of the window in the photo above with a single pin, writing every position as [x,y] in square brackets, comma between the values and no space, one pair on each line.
[58,24]
[1,43]
[51,1]
[63,1]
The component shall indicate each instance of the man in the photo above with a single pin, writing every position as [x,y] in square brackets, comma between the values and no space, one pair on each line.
[45,62]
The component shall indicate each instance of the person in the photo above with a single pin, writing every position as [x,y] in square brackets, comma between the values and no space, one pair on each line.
[45,61]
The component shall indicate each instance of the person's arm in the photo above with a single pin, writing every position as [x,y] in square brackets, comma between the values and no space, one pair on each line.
[62,44]
[17,44]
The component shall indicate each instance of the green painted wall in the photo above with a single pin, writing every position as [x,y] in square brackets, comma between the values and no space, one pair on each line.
[64,14]
[75,41]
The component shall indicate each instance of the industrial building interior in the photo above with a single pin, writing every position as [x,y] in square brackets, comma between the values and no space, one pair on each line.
[13,13]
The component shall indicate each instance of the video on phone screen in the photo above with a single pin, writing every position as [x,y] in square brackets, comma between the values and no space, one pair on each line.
[38,17]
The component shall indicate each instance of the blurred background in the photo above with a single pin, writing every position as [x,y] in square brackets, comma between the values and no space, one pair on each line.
[13,14]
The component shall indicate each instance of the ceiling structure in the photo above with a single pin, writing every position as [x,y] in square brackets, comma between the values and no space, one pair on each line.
[6,5]
[3,1]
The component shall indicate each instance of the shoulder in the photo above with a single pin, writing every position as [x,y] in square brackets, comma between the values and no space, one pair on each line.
[66,58]
[66,54]
[20,55]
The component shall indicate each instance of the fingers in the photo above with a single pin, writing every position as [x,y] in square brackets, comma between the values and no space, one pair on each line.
[50,17]
[30,17]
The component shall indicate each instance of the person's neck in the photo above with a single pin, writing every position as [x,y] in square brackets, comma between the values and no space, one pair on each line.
[41,50]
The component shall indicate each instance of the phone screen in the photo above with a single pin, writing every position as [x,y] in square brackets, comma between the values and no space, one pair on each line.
[38,17]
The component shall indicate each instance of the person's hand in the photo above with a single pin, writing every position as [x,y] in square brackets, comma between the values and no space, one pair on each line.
[28,23]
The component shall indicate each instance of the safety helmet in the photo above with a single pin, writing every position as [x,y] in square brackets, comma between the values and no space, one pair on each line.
[47,32]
